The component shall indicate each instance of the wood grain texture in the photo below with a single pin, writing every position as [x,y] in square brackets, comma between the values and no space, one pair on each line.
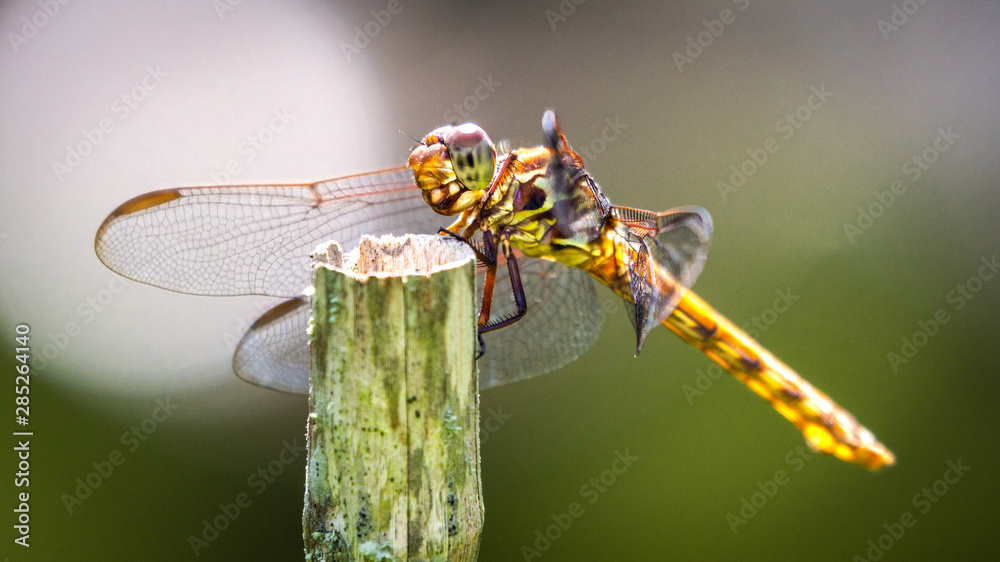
[393,471]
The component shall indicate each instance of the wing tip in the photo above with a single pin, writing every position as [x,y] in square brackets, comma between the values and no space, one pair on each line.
[243,367]
[132,206]
[704,217]
[144,201]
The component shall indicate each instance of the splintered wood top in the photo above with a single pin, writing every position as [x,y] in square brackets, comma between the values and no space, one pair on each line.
[394,256]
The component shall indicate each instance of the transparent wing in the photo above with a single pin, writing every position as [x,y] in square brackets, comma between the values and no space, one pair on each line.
[681,242]
[255,239]
[274,352]
[562,322]
[675,242]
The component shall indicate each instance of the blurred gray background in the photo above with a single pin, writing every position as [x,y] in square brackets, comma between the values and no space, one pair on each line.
[102,101]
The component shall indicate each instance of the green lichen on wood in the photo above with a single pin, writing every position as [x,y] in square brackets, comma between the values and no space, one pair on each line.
[393,471]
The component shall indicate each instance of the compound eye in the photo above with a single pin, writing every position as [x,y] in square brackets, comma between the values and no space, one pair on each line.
[473,155]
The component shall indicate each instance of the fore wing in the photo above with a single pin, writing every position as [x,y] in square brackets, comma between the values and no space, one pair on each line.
[254,239]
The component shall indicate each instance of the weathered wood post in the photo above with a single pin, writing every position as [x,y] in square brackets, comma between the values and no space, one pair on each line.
[393,431]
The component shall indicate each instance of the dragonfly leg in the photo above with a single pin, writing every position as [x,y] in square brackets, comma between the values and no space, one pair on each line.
[516,286]
[489,259]
[481,253]
[487,255]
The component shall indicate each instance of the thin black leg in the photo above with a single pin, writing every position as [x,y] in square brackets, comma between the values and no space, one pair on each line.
[516,286]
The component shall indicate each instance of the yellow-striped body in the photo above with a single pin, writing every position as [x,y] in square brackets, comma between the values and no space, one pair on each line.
[826,426]
[521,203]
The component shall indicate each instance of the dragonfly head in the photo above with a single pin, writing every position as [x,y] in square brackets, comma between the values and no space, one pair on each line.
[453,165]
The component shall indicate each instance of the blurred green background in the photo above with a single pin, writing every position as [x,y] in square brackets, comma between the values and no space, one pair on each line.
[897,73]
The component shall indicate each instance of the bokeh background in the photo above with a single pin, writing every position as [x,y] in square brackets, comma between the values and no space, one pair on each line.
[180,86]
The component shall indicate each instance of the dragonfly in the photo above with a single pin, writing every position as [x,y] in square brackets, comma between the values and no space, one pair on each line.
[542,231]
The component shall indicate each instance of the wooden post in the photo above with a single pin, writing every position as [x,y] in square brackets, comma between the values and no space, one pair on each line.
[393,431]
